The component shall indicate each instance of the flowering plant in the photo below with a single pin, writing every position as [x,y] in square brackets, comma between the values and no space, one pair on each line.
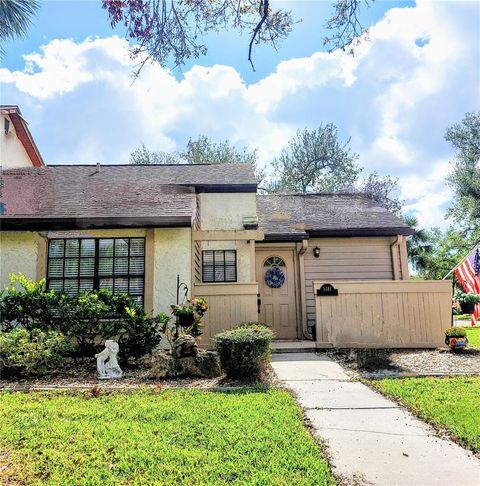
[466,298]
[195,309]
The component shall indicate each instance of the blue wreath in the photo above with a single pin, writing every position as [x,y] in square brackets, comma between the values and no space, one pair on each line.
[274,277]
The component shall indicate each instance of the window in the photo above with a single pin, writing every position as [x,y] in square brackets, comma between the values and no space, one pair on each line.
[116,264]
[274,261]
[219,266]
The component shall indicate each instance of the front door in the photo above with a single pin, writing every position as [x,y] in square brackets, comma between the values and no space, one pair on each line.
[276,279]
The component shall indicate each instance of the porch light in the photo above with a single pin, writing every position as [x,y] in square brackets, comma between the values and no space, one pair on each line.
[316,252]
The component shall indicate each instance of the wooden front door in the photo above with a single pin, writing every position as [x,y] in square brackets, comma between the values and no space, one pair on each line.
[276,278]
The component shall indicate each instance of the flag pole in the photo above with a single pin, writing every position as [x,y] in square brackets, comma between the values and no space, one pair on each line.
[461,261]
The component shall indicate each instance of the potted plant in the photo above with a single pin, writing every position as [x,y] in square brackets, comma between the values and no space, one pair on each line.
[456,338]
[189,314]
[467,301]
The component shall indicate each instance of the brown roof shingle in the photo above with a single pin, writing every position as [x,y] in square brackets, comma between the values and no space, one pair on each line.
[295,216]
[158,194]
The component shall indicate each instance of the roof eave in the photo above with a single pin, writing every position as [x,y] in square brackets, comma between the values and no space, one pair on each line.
[382,231]
[54,223]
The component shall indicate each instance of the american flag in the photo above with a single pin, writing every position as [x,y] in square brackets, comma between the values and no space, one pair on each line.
[468,274]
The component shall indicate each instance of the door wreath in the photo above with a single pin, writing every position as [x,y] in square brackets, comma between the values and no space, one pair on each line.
[274,277]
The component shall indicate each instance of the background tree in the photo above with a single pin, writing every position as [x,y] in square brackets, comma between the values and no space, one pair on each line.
[316,160]
[165,30]
[203,150]
[384,191]
[465,176]
[419,245]
[144,156]
[16,17]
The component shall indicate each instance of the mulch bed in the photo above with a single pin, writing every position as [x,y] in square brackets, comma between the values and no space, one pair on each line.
[428,362]
[82,374]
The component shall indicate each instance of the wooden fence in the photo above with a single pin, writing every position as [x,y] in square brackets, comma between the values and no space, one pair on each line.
[392,314]
[228,306]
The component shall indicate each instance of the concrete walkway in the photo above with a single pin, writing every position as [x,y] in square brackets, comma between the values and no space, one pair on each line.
[371,440]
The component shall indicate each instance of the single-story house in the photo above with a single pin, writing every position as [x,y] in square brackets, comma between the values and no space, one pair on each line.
[268,258]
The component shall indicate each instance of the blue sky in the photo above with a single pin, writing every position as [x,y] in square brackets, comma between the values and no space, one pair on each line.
[417,75]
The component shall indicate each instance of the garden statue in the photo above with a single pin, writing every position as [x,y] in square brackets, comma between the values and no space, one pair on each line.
[108,369]
[184,346]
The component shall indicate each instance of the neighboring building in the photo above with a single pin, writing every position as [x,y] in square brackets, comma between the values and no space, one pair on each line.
[136,228]
[17,147]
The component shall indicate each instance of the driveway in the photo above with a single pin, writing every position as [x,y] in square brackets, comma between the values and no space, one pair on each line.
[370,439]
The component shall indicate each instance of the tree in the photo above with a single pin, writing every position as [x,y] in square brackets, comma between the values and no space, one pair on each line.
[316,161]
[203,150]
[166,30]
[15,19]
[446,249]
[465,176]
[419,245]
[144,156]
[384,191]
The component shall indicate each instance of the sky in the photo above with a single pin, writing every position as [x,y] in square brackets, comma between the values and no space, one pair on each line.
[418,74]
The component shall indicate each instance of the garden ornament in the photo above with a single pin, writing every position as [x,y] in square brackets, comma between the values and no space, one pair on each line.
[110,369]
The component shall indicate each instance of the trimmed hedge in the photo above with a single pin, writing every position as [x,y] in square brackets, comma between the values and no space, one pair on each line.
[244,350]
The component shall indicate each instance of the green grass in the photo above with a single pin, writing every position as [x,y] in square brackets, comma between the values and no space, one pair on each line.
[252,436]
[452,403]
[473,336]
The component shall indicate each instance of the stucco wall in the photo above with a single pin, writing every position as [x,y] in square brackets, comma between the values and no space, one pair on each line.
[167,253]
[172,257]
[22,251]
[12,152]
[226,211]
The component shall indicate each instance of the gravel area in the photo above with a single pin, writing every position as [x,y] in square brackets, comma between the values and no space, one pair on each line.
[414,363]
[83,375]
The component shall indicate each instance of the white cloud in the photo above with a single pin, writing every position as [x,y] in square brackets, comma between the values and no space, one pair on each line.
[395,98]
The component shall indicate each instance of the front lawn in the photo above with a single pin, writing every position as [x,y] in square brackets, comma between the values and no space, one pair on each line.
[452,403]
[473,335]
[251,436]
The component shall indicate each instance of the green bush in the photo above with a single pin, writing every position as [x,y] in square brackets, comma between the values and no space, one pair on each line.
[244,350]
[35,351]
[87,319]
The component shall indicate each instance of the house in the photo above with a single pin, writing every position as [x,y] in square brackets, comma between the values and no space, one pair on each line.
[144,229]
[17,147]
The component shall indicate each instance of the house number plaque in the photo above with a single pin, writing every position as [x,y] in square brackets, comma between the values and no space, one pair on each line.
[327,290]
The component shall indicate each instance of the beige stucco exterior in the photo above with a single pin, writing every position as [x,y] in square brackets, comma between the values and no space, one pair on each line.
[12,151]
[22,252]
[225,212]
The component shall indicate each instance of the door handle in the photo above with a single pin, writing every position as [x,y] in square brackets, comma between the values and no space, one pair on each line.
[259,303]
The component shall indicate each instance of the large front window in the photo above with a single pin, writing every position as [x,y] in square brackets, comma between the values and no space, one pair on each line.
[116,264]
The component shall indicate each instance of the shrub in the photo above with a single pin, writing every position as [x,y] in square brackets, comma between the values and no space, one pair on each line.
[88,318]
[244,351]
[25,352]
[455,332]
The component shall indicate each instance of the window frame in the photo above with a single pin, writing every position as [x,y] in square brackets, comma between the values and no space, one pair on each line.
[204,252]
[96,277]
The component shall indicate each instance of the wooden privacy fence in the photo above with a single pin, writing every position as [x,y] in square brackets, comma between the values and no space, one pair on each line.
[228,306]
[383,314]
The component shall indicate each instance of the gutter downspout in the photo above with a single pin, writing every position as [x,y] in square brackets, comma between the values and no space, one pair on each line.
[303,299]
[396,264]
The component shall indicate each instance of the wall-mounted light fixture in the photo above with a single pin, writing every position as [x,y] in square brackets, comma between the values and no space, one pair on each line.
[316,252]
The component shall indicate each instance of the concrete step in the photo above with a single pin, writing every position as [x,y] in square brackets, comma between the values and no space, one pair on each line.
[282,347]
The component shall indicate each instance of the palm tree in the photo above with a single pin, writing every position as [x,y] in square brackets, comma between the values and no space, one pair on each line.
[15,18]
[419,245]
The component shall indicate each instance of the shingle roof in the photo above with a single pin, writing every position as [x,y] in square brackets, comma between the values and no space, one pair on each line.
[154,193]
[295,216]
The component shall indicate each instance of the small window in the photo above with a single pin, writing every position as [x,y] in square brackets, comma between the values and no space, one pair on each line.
[116,264]
[274,261]
[219,266]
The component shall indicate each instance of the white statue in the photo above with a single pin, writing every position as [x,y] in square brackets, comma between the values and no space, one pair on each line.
[108,369]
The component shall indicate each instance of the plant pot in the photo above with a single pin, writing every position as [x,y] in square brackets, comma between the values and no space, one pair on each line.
[467,307]
[456,342]
[185,320]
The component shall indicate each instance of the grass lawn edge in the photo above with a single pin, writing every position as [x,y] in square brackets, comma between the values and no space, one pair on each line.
[441,431]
